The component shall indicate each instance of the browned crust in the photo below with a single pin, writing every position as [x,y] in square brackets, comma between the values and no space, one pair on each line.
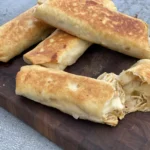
[57,82]
[15,33]
[13,29]
[94,13]
[102,20]
[51,48]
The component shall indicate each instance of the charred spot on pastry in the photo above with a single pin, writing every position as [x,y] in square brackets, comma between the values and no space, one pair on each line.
[54,57]
[90,2]
[127,48]
[64,46]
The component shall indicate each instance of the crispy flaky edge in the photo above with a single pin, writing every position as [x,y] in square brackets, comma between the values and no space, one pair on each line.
[136,84]
[21,33]
[81,97]
[92,21]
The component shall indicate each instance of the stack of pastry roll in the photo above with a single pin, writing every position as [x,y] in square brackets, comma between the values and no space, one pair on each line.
[94,21]
[61,49]
[69,93]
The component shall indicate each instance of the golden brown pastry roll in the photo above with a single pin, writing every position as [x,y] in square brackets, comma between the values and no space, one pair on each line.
[136,85]
[79,96]
[57,51]
[93,21]
[21,33]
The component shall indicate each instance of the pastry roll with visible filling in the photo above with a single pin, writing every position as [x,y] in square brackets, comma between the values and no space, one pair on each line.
[92,21]
[57,51]
[136,85]
[21,33]
[82,97]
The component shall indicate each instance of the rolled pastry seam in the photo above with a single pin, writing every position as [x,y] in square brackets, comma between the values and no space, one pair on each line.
[21,33]
[136,84]
[94,22]
[58,51]
[79,96]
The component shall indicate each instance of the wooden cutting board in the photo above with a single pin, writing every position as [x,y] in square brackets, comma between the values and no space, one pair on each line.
[132,133]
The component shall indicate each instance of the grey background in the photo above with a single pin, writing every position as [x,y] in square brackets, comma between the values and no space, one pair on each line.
[14,134]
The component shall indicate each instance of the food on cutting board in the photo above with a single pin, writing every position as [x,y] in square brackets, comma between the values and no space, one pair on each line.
[104,100]
[82,97]
[92,21]
[20,33]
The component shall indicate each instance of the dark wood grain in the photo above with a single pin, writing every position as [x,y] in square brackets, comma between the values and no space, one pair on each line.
[133,133]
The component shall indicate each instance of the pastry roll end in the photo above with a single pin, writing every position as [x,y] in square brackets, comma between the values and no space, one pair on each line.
[136,84]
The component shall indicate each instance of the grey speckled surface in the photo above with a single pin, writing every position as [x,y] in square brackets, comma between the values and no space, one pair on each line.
[141,8]
[14,134]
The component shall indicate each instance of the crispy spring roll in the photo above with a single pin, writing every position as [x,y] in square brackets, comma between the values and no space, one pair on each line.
[57,51]
[136,85]
[21,33]
[96,23]
[60,49]
[81,97]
